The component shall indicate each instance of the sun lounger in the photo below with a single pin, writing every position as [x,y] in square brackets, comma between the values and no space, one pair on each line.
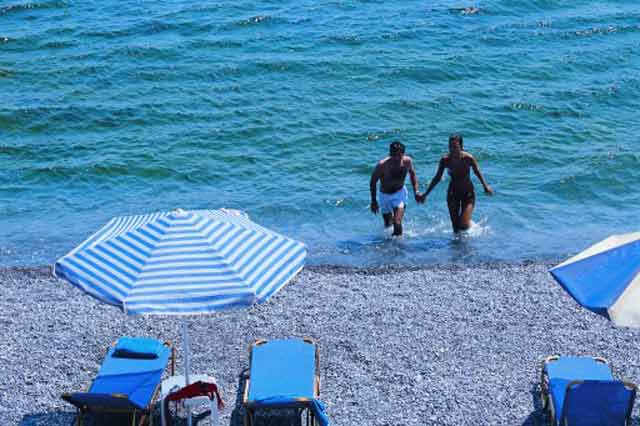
[284,374]
[582,391]
[128,380]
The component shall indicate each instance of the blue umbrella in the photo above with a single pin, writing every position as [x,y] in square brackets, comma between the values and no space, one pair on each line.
[182,263]
[605,278]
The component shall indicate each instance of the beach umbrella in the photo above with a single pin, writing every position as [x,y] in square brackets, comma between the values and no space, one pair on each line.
[182,263]
[605,278]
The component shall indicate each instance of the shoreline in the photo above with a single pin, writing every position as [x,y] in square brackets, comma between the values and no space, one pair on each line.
[377,269]
[434,344]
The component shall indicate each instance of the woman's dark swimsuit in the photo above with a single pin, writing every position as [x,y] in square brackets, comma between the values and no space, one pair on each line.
[465,197]
[460,188]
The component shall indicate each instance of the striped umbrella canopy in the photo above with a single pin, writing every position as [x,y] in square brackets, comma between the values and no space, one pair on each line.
[605,278]
[182,262]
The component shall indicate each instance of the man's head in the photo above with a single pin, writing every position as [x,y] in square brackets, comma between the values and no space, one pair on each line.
[396,149]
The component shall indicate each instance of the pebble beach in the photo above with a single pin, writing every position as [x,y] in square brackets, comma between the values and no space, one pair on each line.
[281,110]
[439,345]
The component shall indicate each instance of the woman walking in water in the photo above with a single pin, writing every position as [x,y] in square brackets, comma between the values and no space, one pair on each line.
[461,197]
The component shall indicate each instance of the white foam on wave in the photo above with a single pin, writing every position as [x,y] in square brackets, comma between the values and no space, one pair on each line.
[438,229]
[476,230]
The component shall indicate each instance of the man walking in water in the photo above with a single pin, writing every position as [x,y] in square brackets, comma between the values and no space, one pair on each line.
[392,172]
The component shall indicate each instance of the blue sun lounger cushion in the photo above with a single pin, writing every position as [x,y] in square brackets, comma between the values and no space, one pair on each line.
[583,391]
[284,374]
[138,347]
[123,383]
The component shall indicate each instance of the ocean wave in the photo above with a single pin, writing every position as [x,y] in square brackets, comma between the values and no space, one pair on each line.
[605,30]
[52,174]
[11,150]
[215,44]
[75,117]
[10,189]
[401,35]
[140,27]
[345,39]
[466,10]
[560,29]
[425,74]
[258,20]
[548,110]
[145,52]
[58,44]
[21,7]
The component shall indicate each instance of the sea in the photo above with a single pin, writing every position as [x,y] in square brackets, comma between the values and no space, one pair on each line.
[281,109]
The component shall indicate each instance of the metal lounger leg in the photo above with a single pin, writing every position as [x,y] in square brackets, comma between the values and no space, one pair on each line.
[248,420]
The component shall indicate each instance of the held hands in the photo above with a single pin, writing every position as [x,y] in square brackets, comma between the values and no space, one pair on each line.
[420,198]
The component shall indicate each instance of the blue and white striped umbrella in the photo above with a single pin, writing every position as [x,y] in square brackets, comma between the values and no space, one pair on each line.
[605,278]
[182,262]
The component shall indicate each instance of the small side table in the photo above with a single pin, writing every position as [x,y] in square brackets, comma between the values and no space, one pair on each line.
[175,383]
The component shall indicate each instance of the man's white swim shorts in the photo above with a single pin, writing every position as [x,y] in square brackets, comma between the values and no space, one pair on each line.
[388,202]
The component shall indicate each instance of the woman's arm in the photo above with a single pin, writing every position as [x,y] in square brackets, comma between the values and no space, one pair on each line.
[476,171]
[436,179]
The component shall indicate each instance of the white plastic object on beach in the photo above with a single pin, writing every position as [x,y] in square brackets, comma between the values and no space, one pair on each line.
[175,383]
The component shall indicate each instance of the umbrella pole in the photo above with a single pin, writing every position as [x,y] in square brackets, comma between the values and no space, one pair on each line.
[185,342]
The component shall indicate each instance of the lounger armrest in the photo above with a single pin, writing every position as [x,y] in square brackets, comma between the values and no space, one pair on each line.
[634,389]
[245,393]
[544,383]
[89,400]
[316,384]
[168,344]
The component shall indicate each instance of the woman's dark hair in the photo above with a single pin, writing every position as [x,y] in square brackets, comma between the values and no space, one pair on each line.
[457,137]
[396,147]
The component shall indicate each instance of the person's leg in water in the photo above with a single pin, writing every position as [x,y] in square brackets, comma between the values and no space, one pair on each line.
[467,212]
[454,211]
[398,214]
[388,220]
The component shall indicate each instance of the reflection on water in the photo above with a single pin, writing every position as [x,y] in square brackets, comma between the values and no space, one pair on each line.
[415,247]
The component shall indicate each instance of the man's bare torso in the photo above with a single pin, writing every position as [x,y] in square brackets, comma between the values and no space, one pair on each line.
[394,174]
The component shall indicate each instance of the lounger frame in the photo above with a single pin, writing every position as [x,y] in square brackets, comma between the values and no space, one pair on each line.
[547,401]
[300,403]
[145,413]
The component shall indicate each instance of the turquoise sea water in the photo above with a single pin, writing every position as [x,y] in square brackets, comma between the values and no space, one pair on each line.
[281,109]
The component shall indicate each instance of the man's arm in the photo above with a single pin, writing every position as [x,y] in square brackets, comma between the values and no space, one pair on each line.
[413,176]
[476,171]
[373,182]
